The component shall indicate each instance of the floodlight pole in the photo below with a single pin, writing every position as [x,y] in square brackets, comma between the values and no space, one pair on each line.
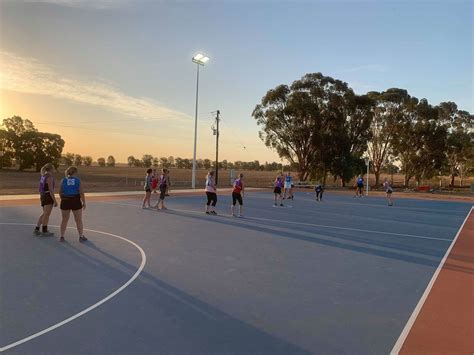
[217,146]
[193,180]
[367,162]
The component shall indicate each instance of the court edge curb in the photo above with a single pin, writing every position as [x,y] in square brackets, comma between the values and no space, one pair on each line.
[411,321]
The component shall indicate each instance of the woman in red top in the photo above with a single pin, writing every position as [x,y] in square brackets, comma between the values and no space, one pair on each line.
[237,194]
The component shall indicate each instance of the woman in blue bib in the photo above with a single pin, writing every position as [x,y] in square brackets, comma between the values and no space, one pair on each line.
[72,199]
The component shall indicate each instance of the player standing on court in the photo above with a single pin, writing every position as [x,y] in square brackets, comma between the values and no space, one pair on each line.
[162,186]
[148,187]
[72,199]
[47,199]
[278,185]
[288,186]
[387,186]
[319,189]
[359,186]
[211,193]
[237,194]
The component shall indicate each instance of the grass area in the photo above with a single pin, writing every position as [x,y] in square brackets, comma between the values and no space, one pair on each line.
[123,178]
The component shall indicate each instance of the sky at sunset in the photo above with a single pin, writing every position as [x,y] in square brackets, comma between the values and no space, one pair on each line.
[116,77]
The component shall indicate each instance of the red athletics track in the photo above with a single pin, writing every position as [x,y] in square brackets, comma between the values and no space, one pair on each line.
[445,324]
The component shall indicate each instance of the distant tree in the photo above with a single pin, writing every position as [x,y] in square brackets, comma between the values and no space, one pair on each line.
[302,122]
[156,162]
[6,152]
[179,163]
[207,164]
[187,163]
[110,161]
[225,164]
[15,140]
[460,140]
[87,160]
[68,159]
[131,161]
[138,163]
[171,161]
[164,162]
[21,140]
[77,160]
[390,108]
[420,142]
[147,160]
[101,161]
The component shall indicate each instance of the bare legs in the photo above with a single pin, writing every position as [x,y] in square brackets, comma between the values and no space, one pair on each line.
[77,218]
[44,218]
[146,199]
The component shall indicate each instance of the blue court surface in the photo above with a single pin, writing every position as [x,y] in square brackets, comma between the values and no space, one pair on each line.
[340,276]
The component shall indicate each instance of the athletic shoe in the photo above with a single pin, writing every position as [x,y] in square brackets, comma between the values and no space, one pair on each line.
[61,239]
[47,234]
[82,238]
[214,213]
[36,232]
[207,212]
[275,204]
[241,216]
[143,207]
[281,204]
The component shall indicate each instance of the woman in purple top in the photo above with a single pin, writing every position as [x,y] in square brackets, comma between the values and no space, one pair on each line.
[47,198]
[278,185]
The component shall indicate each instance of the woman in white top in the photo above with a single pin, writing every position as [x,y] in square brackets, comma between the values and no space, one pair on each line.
[211,193]
[388,191]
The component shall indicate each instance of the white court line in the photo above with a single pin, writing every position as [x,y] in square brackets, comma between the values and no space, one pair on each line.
[88,309]
[406,330]
[303,224]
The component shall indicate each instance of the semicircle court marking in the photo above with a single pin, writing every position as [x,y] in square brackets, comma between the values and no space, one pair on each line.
[90,308]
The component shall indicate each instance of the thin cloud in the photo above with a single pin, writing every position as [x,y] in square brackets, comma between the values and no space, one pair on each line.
[86,4]
[368,67]
[27,75]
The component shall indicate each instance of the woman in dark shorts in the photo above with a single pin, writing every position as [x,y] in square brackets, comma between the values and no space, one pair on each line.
[47,198]
[211,193]
[72,199]
[162,183]
[278,185]
[148,186]
[237,194]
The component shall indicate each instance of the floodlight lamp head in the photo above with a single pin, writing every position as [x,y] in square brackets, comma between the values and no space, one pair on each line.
[200,59]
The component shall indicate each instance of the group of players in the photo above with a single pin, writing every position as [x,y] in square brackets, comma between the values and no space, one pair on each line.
[73,198]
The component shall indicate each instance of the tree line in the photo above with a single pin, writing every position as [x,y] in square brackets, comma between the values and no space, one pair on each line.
[23,144]
[323,128]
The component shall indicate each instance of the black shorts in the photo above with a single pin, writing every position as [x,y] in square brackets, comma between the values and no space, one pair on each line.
[211,198]
[147,190]
[389,191]
[46,199]
[277,190]
[237,197]
[162,192]
[71,203]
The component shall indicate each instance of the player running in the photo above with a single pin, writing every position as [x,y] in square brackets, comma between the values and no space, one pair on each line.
[237,194]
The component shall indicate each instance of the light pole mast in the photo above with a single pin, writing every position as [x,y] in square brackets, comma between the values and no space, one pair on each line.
[199,59]
[217,146]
